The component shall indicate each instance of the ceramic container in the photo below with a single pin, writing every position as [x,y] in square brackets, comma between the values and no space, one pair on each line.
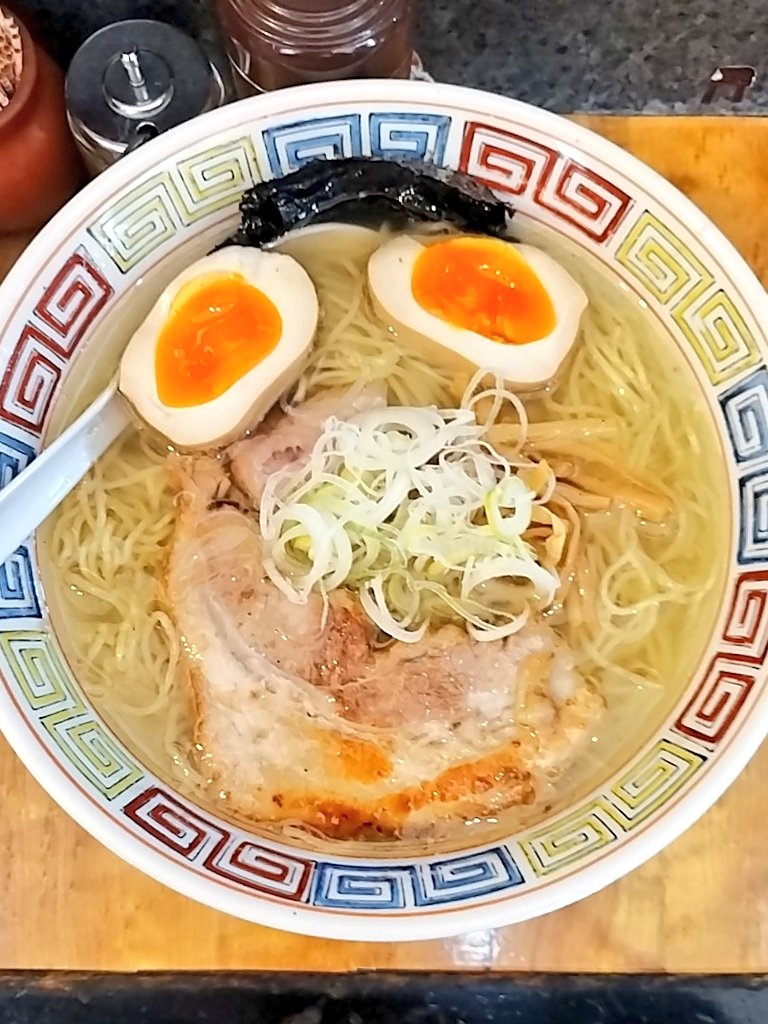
[165,204]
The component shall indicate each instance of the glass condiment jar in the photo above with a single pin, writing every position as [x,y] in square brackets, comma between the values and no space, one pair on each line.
[276,43]
[40,165]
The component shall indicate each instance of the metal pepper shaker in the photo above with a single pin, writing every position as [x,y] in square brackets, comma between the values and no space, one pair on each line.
[132,80]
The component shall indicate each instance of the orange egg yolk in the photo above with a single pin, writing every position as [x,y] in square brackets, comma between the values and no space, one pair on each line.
[218,329]
[483,285]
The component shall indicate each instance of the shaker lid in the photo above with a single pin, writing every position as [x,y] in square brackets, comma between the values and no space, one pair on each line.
[135,75]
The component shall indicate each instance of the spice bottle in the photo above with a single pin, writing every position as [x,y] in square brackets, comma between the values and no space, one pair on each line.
[132,80]
[40,165]
[276,43]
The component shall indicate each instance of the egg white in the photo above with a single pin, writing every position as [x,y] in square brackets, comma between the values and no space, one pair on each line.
[527,366]
[285,282]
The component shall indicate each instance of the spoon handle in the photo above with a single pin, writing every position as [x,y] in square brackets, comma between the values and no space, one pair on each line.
[38,489]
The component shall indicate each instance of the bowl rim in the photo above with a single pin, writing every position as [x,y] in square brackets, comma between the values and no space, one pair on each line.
[96,816]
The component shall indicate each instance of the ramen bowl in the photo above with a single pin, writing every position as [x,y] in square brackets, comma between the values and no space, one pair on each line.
[101,261]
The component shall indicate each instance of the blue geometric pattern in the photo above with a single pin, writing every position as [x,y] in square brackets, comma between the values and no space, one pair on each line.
[410,136]
[470,876]
[18,598]
[290,146]
[745,408]
[399,135]
[395,887]
[753,517]
[15,455]
[348,886]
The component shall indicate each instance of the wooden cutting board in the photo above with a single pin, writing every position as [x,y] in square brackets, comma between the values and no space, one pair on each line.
[701,905]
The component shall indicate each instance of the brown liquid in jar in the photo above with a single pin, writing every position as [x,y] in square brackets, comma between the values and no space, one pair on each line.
[277,43]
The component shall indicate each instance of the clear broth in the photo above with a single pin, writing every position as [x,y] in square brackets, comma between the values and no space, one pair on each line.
[632,712]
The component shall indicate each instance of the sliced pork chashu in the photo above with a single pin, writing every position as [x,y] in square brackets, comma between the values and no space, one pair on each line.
[304,718]
[287,437]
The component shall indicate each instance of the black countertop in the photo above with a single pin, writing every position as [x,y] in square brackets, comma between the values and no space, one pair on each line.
[603,56]
[284,998]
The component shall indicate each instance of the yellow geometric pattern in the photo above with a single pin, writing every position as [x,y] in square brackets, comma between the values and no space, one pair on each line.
[707,317]
[33,663]
[137,224]
[581,833]
[652,780]
[718,335]
[662,262]
[151,214]
[90,748]
[37,670]
[216,178]
[648,784]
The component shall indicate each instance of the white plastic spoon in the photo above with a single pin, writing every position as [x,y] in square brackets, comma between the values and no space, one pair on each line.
[38,489]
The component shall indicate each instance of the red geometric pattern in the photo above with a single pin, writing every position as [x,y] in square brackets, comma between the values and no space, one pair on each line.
[173,824]
[187,834]
[64,312]
[72,301]
[503,160]
[717,702]
[30,380]
[254,867]
[731,674]
[745,637]
[512,163]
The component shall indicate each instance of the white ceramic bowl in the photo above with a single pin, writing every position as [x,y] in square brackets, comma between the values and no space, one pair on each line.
[161,206]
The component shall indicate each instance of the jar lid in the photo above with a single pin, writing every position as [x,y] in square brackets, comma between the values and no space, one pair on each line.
[137,76]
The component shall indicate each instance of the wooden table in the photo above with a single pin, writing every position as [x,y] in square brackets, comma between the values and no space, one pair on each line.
[702,905]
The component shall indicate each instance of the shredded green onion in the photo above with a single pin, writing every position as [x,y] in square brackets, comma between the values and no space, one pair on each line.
[414,510]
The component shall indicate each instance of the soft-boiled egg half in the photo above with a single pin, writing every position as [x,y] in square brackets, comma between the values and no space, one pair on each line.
[225,339]
[481,302]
